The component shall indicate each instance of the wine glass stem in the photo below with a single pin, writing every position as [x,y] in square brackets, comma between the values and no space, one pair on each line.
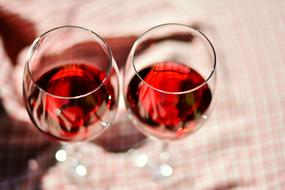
[74,159]
[164,153]
[165,168]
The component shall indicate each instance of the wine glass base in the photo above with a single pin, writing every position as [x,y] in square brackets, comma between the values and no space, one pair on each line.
[72,158]
[158,170]
[165,170]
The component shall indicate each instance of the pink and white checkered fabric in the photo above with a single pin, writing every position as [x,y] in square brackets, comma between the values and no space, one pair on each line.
[242,145]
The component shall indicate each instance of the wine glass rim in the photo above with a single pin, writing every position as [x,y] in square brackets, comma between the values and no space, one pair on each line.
[199,33]
[103,43]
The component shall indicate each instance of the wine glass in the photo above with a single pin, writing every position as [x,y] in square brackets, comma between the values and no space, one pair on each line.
[71,88]
[169,86]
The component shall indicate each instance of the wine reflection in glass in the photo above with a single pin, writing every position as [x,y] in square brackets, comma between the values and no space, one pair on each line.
[71,88]
[169,85]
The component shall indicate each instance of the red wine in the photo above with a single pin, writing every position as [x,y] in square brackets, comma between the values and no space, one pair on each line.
[168,114]
[75,101]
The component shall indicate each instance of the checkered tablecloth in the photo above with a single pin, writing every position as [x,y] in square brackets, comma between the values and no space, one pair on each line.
[241,146]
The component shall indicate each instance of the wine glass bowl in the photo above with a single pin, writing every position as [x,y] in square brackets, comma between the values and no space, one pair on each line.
[70,84]
[170,80]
